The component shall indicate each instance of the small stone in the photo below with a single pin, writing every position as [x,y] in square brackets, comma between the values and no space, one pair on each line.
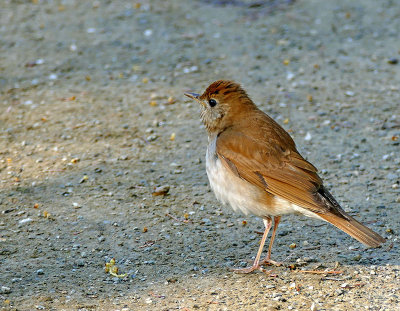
[151,138]
[73,47]
[40,272]
[83,179]
[161,190]
[389,230]
[290,76]
[5,290]
[148,32]
[76,205]
[25,221]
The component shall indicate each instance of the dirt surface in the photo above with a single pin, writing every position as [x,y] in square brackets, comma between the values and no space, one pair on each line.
[93,118]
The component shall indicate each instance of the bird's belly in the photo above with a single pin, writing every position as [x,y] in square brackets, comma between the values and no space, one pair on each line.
[240,194]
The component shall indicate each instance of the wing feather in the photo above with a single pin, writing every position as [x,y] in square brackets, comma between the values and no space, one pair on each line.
[280,172]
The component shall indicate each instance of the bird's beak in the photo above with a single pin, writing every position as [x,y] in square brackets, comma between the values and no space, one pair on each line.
[194,96]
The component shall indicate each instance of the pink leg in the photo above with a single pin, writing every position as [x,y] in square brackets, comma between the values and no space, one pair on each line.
[256,265]
[268,260]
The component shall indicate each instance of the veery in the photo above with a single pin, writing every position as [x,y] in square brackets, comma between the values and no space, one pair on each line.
[252,163]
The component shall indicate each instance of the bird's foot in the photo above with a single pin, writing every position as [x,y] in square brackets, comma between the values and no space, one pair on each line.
[251,269]
[270,262]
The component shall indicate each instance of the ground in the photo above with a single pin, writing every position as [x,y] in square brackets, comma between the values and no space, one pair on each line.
[93,119]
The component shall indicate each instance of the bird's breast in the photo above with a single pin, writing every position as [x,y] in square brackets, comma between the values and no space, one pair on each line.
[231,189]
[241,195]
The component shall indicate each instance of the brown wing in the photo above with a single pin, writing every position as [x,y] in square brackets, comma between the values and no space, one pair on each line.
[286,174]
[282,172]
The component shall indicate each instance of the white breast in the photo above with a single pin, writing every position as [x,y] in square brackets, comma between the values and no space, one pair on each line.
[240,194]
[230,189]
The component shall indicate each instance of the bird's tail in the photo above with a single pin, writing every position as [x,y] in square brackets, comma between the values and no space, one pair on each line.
[355,229]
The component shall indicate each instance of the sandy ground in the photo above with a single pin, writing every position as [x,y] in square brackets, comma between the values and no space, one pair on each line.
[93,118]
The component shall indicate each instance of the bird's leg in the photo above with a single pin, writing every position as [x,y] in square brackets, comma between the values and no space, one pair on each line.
[256,265]
[268,259]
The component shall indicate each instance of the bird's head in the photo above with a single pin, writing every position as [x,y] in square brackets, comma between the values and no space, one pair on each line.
[223,104]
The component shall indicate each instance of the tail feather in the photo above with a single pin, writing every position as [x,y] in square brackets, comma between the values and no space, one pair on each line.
[355,229]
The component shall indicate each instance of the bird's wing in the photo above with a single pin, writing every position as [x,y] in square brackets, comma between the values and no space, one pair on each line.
[284,173]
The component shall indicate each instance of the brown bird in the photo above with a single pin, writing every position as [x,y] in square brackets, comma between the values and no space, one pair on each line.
[252,163]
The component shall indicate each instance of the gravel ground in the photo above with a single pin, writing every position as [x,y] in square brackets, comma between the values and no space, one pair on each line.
[93,120]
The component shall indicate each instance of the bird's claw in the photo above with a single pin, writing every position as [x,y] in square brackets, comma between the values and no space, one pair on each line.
[250,269]
[270,262]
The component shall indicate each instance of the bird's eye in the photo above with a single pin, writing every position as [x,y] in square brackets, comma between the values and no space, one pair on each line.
[212,102]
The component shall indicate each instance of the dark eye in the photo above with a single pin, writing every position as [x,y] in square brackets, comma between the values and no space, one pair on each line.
[212,102]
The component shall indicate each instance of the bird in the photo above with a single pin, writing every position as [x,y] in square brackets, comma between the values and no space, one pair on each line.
[253,165]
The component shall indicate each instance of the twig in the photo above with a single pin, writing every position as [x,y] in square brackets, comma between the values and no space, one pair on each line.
[156,295]
[320,272]
[147,244]
[180,220]
[335,279]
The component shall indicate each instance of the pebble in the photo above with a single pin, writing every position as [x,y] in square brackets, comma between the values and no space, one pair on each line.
[83,179]
[5,290]
[290,76]
[190,69]
[151,138]
[149,262]
[148,32]
[76,205]
[40,272]
[161,190]
[25,221]
[73,47]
